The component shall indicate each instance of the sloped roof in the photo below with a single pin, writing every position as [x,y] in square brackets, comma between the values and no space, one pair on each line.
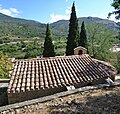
[80,47]
[31,74]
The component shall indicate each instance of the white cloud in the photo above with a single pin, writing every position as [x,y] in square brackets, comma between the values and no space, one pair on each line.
[11,11]
[55,18]
[66,16]
[14,10]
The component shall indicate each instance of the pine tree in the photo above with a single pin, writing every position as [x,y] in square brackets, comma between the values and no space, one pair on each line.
[48,45]
[83,37]
[116,12]
[73,35]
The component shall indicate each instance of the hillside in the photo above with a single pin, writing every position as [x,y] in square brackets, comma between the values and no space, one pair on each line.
[10,26]
[16,27]
[63,25]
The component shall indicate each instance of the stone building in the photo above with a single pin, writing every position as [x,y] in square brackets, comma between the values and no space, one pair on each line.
[80,50]
[34,78]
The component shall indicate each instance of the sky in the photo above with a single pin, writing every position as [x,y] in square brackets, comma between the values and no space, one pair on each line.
[49,11]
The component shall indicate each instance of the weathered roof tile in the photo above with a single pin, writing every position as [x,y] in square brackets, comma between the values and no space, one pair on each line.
[31,74]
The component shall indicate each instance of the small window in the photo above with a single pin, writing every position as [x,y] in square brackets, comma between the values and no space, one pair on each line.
[80,52]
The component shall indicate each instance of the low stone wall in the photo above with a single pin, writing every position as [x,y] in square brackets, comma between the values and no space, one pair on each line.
[3,96]
[4,80]
[33,94]
[3,91]
[13,108]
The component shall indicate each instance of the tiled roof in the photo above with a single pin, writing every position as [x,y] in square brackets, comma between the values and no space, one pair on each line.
[106,66]
[31,74]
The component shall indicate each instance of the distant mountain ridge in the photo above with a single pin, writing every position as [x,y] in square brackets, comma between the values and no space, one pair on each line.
[10,26]
[64,24]
[20,27]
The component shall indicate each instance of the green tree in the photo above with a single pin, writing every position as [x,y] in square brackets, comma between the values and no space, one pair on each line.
[1,40]
[73,35]
[83,37]
[118,62]
[23,44]
[5,66]
[36,50]
[116,5]
[33,54]
[48,45]
[100,40]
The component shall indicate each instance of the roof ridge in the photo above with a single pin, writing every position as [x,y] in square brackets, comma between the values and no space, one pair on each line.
[56,57]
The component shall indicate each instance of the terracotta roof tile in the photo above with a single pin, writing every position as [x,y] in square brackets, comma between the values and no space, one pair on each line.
[31,74]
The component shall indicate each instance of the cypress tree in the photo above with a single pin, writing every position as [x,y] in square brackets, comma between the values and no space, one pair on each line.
[48,45]
[83,37]
[73,35]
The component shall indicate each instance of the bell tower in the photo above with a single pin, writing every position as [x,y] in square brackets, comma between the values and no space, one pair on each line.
[80,50]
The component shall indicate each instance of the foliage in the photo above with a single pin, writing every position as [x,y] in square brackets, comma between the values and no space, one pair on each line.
[83,37]
[33,54]
[1,40]
[59,53]
[20,28]
[32,50]
[48,45]
[59,44]
[116,5]
[73,35]
[114,59]
[100,39]
[16,27]
[118,62]
[23,44]
[5,66]
[10,26]
[19,55]
[22,49]
[9,48]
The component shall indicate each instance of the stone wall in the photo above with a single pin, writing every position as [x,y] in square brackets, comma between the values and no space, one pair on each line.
[3,96]
[17,108]
[33,94]
[3,91]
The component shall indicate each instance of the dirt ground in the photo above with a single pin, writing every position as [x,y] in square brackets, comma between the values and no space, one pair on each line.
[99,101]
